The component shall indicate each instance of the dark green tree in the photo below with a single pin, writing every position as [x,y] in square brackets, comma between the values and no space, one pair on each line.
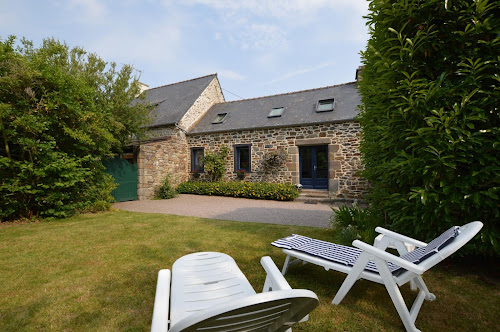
[62,111]
[430,95]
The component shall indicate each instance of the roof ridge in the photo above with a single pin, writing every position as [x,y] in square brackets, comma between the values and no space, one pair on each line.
[291,93]
[192,79]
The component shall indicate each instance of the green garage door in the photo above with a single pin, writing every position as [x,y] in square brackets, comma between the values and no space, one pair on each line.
[125,175]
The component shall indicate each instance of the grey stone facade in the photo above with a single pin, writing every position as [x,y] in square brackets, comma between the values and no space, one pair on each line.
[171,155]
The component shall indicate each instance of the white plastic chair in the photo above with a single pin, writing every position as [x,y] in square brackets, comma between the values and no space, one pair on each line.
[375,264]
[208,292]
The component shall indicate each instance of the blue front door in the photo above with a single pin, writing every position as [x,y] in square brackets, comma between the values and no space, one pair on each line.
[314,167]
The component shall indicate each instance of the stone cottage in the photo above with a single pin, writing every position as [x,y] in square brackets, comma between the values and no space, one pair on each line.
[316,128]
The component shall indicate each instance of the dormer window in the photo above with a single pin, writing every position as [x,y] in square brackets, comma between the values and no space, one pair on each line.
[219,118]
[325,105]
[275,112]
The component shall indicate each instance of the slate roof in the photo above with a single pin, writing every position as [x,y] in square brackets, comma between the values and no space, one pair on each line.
[299,109]
[174,100]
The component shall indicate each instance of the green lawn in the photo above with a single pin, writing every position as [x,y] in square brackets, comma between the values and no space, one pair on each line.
[97,272]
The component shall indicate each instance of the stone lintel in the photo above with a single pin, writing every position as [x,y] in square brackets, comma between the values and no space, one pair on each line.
[313,141]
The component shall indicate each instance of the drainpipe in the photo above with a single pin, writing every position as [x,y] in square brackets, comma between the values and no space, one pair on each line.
[180,128]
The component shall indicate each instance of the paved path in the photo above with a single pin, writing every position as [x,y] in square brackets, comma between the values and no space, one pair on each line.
[239,209]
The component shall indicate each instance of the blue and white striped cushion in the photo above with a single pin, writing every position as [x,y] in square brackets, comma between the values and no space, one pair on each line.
[421,254]
[293,241]
[348,255]
[326,250]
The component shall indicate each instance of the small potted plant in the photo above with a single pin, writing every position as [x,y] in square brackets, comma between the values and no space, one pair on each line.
[196,174]
[241,174]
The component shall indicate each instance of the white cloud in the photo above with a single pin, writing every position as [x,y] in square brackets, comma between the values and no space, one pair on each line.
[88,9]
[263,25]
[159,46]
[282,8]
[261,36]
[301,72]
[230,75]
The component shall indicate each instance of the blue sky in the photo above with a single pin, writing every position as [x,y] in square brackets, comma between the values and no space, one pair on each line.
[258,48]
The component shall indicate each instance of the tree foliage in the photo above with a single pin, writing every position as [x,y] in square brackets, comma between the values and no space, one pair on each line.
[62,111]
[430,93]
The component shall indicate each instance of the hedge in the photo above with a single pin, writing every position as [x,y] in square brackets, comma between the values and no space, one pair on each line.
[261,190]
[431,126]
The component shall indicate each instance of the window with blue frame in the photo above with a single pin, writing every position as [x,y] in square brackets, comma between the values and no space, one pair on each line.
[242,157]
[197,155]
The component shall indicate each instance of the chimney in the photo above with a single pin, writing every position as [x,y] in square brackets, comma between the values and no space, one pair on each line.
[358,73]
[142,87]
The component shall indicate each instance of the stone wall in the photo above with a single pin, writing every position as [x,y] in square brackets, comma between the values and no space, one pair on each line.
[210,96]
[342,140]
[166,153]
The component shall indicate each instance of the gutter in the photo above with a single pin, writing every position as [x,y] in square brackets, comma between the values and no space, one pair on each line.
[270,127]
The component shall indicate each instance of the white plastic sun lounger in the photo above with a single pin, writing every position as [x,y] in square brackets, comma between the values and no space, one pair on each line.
[375,264]
[207,292]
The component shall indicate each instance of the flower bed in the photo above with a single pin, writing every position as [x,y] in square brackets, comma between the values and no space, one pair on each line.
[261,190]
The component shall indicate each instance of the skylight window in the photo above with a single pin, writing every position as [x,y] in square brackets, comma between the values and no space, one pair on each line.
[325,105]
[275,112]
[219,118]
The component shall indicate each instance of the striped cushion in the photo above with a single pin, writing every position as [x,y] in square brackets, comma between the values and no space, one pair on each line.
[348,255]
[421,254]
[326,250]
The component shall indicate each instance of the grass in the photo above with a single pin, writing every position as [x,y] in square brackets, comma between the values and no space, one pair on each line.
[97,272]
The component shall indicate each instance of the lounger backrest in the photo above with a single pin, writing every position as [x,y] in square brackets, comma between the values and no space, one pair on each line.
[270,311]
[464,234]
[419,255]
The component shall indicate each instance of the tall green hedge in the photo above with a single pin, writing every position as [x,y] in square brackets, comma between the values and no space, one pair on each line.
[430,93]
[62,111]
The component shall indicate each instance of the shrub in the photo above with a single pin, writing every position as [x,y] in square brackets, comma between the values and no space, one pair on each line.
[273,160]
[62,111]
[261,190]
[166,190]
[215,163]
[353,223]
[430,119]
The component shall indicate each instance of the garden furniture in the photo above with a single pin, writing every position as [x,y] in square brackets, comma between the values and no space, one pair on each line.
[375,264]
[206,291]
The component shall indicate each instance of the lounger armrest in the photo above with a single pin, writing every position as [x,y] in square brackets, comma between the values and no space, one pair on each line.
[162,299]
[388,257]
[274,280]
[400,237]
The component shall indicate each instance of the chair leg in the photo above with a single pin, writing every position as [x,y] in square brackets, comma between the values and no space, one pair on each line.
[395,294]
[419,282]
[352,277]
[285,265]
[289,262]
